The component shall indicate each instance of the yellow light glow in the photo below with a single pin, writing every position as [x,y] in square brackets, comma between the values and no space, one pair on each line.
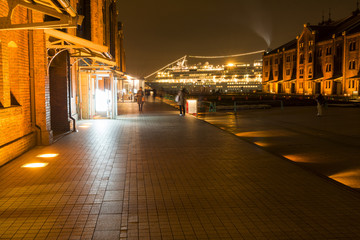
[349,178]
[34,165]
[231,65]
[47,155]
[262,144]
[84,126]
[298,158]
[269,133]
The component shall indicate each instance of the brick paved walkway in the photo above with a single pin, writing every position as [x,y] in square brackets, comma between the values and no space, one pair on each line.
[156,175]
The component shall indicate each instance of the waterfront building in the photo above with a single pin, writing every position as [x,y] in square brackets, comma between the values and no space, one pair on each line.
[60,60]
[206,78]
[324,58]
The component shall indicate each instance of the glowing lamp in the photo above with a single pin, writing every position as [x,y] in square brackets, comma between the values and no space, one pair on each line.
[34,165]
[47,155]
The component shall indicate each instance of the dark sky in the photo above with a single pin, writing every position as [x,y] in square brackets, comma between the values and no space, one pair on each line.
[158,32]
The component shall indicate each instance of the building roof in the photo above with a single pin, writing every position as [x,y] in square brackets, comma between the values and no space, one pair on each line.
[326,29]
[289,45]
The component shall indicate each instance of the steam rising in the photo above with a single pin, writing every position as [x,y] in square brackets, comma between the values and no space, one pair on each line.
[259,20]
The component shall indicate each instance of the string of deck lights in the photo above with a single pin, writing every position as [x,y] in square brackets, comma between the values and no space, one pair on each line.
[205,57]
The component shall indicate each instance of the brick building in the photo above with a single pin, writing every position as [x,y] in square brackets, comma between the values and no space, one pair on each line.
[55,56]
[324,58]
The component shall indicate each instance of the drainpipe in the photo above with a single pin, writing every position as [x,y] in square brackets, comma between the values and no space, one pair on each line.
[69,89]
[32,81]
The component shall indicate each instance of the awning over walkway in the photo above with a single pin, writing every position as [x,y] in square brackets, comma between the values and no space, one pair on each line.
[86,48]
[61,10]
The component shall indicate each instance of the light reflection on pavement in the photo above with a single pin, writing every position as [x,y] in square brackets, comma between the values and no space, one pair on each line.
[328,145]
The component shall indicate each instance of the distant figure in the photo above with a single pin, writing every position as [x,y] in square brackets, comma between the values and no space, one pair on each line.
[154,94]
[181,101]
[320,103]
[140,98]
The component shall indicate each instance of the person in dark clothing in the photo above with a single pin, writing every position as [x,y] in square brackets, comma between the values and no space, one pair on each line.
[140,98]
[181,101]
[320,103]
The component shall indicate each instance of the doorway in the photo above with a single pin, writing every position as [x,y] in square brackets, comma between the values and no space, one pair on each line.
[59,76]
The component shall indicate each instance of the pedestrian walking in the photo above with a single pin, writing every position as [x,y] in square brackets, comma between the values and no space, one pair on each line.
[320,103]
[140,98]
[181,101]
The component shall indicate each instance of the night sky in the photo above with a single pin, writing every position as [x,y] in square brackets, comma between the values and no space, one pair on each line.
[158,32]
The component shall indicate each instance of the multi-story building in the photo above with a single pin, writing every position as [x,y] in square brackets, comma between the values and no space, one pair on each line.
[324,58]
[59,60]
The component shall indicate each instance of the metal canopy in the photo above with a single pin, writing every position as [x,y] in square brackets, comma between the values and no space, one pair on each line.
[67,18]
[84,48]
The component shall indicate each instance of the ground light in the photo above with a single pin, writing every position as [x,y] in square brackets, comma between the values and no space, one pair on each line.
[34,165]
[48,155]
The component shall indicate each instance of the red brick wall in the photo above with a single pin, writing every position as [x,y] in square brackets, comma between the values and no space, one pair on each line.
[17,129]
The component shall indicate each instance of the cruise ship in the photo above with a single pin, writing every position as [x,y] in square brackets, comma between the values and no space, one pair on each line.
[207,78]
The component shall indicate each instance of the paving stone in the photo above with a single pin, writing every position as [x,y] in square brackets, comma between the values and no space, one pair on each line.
[155,175]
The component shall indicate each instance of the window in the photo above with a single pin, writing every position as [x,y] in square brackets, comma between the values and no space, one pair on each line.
[287,72]
[301,58]
[310,57]
[352,65]
[301,73]
[328,67]
[266,74]
[266,63]
[276,73]
[301,85]
[311,43]
[288,58]
[309,84]
[301,45]
[352,84]
[328,84]
[319,52]
[352,46]
[328,51]
[294,58]
[310,75]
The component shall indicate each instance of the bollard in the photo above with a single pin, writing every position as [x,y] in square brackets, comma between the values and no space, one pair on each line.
[235,106]
[281,105]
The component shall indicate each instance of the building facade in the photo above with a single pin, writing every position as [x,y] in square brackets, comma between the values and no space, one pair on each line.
[324,58]
[55,57]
